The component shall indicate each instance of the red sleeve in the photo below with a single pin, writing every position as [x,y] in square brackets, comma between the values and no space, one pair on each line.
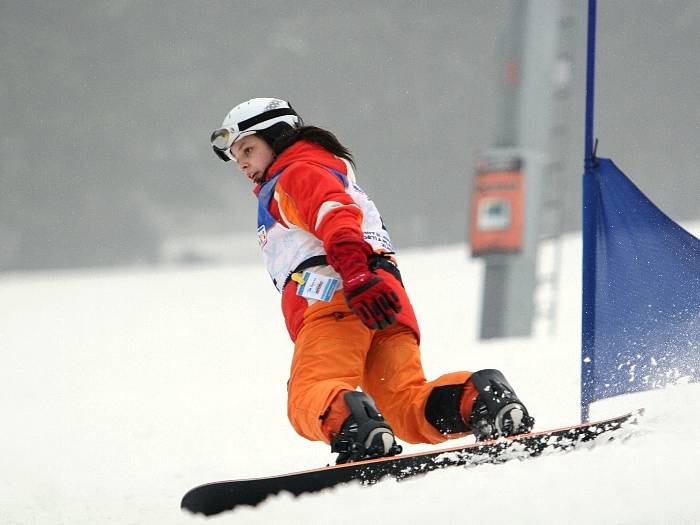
[311,197]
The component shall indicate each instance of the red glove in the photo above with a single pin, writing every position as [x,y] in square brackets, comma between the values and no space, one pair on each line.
[372,299]
[369,296]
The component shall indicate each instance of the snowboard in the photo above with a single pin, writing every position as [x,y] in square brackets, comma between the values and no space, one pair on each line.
[220,496]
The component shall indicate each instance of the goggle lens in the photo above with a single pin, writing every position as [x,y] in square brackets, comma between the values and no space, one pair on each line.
[222,138]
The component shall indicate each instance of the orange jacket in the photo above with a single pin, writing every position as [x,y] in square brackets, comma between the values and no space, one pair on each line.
[310,194]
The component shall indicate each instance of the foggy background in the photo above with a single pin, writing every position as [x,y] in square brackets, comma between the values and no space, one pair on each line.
[106,109]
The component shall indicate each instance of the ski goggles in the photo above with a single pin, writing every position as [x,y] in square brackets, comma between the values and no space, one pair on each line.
[223,138]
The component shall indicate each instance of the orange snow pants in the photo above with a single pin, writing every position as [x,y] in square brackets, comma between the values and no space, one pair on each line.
[335,352]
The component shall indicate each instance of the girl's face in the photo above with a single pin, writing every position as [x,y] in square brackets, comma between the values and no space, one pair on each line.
[253,156]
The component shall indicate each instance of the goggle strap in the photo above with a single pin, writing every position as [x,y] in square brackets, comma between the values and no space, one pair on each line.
[262,117]
[221,154]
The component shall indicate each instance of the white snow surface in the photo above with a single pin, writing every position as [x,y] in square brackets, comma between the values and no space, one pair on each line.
[122,389]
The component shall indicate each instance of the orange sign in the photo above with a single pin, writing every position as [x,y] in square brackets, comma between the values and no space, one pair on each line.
[497,209]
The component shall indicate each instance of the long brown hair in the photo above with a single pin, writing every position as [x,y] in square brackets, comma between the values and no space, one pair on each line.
[315,135]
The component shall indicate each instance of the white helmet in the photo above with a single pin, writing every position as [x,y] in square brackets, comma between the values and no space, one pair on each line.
[269,117]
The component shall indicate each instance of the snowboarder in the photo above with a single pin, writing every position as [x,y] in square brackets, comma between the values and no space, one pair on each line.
[345,307]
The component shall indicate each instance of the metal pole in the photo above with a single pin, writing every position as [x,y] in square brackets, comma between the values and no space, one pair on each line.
[590,84]
[590,212]
[530,48]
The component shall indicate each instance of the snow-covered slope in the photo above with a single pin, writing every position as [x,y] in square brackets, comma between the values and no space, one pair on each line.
[120,390]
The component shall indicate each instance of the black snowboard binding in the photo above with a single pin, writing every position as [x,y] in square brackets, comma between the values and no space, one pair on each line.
[364,434]
[497,411]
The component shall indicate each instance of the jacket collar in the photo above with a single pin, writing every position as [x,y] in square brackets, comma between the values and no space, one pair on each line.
[302,151]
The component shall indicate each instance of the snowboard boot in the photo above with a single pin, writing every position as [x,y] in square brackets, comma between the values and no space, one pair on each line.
[497,411]
[365,434]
